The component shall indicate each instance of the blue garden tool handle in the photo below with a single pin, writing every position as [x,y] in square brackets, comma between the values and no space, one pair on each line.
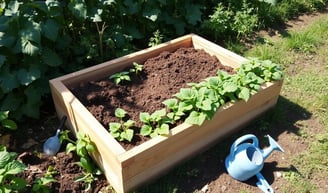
[241,140]
[263,184]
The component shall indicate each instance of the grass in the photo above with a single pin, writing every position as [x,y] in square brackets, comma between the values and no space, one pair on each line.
[304,58]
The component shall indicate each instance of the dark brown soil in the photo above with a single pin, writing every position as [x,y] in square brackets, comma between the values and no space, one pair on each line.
[161,78]
[28,141]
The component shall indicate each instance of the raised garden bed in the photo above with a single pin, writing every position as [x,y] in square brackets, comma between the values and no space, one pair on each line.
[127,168]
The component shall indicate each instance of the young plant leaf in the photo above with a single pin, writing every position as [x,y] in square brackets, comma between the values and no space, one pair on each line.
[120,113]
[164,129]
[114,127]
[127,134]
[146,130]
[196,118]
[244,94]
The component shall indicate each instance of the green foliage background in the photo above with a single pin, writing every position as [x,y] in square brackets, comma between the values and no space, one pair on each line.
[40,40]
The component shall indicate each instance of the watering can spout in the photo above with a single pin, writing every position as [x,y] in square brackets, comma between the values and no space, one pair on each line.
[273,146]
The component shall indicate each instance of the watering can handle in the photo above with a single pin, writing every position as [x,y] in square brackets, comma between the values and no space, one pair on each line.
[242,139]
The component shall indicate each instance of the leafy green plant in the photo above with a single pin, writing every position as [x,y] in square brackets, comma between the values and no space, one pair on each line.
[245,20]
[125,75]
[120,76]
[40,184]
[219,22]
[156,39]
[154,124]
[5,122]
[137,68]
[201,100]
[176,109]
[83,146]
[121,130]
[9,167]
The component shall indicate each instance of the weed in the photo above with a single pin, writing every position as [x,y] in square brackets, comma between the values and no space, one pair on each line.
[6,123]
[9,167]
[125,75]
[245,20]
[120,76]
[156,39]
[83,146]
[299,183]
[305,42]
[40,184]
[137,68]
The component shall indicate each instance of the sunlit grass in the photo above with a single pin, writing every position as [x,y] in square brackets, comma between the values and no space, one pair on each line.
[304,57]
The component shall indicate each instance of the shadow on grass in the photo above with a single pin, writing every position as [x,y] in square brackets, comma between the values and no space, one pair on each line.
[208,166]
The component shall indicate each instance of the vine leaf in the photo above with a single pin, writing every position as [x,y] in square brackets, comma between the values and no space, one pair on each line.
[30,38]
[33,101]
[27,77]
[51,58]
[50,29]
[78,8]
[2,60]
[151,13]
[8,81]
[13,8]
[194,13]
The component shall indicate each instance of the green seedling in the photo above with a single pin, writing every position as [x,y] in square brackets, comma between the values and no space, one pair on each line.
[137,68]
[155,124]
[9,167]
[120,76]
[51,171]
[40,184]
[125,75]
[156,39]
[83,147]
[176,109]
[5,122]
[122,130]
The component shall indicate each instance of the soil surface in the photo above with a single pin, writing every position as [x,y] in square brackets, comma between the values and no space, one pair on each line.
[204,173]
[160,79]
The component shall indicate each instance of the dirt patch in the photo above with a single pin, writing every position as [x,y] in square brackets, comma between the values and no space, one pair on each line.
[296,24]
[161,78]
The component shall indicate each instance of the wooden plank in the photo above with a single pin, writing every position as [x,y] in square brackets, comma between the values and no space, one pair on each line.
[194,146]
[108,149]
[140,158]
[107,68]
[225,56]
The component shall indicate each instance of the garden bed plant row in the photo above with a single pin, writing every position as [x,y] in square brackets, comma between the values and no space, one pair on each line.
[197,103]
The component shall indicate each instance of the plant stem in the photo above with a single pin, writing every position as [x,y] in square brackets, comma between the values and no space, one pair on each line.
[101,33]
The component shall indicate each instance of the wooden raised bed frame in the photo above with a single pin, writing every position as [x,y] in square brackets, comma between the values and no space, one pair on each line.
[126,170]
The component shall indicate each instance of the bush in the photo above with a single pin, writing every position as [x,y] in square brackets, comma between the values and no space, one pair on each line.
[40,40]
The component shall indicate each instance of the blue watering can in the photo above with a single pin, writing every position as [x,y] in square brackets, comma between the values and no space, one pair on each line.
[246,160]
